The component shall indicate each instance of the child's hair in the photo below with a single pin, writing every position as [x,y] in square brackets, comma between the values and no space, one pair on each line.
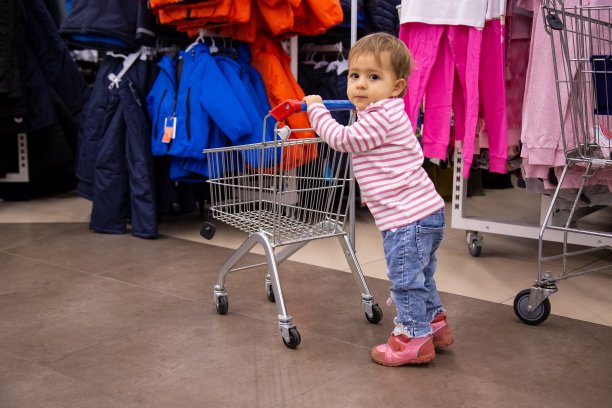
[377,43]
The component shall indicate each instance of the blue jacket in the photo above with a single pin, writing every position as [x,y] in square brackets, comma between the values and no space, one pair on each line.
[244,58]
[204,99]
[161,103]
[237,76]
[248,88]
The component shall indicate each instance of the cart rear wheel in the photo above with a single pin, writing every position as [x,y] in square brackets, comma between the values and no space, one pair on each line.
[535,317]
[377,314]
[222,305]
[294,338]
[270,293]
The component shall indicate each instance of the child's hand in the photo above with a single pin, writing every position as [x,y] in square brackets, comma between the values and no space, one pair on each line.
[309,99]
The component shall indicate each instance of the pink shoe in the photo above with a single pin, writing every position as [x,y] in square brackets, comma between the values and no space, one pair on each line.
[402,350]
[442,336]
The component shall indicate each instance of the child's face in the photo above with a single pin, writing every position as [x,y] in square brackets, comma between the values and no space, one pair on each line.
[369,82]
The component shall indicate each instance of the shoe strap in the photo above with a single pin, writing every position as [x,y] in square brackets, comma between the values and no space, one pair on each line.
[398,343]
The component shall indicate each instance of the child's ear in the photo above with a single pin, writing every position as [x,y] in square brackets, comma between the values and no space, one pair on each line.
[399,87]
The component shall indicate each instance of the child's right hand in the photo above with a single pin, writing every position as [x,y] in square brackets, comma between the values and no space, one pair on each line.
[310,99]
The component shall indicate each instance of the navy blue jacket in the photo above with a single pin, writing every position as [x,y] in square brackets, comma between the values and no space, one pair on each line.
[49,72]
[383,15]
[113,24]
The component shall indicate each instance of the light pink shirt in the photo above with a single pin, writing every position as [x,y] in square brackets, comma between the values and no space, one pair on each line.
[387,161]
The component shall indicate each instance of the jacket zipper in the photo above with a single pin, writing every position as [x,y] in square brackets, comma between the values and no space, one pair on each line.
[188,118]
[159,110]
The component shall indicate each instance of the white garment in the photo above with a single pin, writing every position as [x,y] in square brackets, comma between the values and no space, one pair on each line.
[445,12]
[495,9]
[471,13]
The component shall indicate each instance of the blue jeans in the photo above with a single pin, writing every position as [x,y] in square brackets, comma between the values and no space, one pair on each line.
[411,262]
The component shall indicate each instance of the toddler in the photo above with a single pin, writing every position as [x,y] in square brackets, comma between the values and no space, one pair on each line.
[387,162]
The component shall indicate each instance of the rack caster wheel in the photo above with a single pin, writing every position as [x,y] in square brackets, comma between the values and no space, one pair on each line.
[208,230]
[294,338]
[536,316]
[222,305]
[475,248]
[377,314]
[474,241]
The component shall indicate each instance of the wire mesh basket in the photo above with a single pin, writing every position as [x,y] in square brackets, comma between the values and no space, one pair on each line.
[260,188]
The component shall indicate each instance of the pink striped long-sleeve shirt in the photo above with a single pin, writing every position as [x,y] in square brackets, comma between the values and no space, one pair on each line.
[387,161]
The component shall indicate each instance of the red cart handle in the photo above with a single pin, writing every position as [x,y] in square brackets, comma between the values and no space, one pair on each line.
[290,106]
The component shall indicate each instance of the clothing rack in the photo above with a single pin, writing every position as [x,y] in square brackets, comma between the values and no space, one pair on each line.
[474,226]
[22,175]
[310,47]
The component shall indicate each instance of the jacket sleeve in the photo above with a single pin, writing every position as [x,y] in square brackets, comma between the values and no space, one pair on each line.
[366,134]
[225,109]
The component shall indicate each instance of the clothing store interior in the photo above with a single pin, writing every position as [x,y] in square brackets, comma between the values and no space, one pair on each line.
[137,148]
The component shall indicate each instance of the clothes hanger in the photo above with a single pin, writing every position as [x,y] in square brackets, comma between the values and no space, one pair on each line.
[199,39]
[343,65]
[310,59]
[213,49]
[340,65]
[321,63]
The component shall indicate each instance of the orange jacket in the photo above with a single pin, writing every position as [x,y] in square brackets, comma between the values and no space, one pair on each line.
[156,4]
[278,16]
[273,64]
[328,12]
[315,17]
[307,17]
[218,11]
[246,18]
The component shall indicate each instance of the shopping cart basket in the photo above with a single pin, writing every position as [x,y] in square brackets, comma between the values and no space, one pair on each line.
[283,193]
[581,43]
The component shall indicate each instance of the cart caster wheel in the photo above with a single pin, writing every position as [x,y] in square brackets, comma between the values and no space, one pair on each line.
[377,314]
[475,248]
[534,317]
[270,293]
[208,230]
[222,305]
[294,338]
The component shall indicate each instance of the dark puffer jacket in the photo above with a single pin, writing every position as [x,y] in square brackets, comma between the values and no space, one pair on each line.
[13,82]
[114,24]
[382,15]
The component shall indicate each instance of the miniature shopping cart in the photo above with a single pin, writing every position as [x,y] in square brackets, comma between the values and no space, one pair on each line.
[581,42]
[283,193]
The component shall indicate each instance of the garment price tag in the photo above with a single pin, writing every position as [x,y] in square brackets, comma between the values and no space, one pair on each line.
[169,129]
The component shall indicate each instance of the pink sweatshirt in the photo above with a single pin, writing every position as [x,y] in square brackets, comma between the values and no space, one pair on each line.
[387,161]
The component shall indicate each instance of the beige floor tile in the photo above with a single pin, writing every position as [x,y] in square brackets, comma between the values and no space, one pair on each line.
[67,207]
[507,264]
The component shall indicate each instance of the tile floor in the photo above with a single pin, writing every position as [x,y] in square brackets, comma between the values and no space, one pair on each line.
[93,320]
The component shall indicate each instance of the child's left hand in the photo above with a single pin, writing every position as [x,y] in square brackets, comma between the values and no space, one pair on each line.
[310,99]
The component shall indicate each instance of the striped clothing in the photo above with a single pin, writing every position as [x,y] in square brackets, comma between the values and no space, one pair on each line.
[387,161]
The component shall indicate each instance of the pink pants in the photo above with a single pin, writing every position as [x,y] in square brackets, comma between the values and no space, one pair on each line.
[450,70]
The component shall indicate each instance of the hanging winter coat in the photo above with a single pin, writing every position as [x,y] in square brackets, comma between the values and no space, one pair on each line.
[383,15]
[51,73]
[111,24]
[161,104]
[273,64]
[200,85]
